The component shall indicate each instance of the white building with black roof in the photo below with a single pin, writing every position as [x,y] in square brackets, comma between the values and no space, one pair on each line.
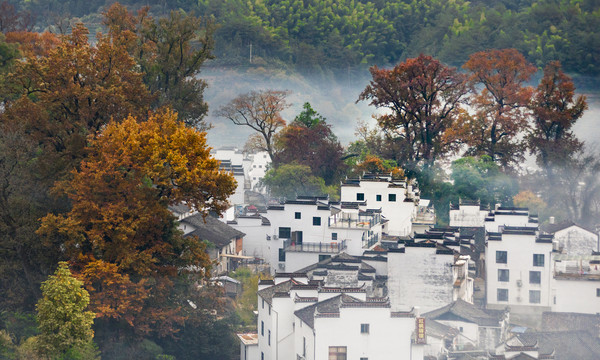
[518,269]
[398,200]
[332,316]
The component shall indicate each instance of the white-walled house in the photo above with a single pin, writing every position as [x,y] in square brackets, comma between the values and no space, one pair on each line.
[477,328]
[225,242]
[258,165]
[503,216]
[256,227]
[572,239]
[397,199]
[518,261]
[467,214]
[346,327]
[426,275]
[576,285]
[302,319]
[308,230]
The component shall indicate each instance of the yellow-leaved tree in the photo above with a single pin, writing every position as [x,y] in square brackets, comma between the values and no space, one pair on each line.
[120,236]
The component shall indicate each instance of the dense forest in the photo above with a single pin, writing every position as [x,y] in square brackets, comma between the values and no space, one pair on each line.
[321,35]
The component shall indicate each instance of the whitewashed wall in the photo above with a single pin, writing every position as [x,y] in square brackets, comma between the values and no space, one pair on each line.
[419,277]
[520,250]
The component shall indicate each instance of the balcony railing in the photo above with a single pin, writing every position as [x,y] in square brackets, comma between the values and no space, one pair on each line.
[332,248]
[362,222]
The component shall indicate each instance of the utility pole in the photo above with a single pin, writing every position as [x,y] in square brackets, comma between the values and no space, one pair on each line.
[250,53]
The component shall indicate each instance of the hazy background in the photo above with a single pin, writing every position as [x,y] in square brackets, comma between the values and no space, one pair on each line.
[336,100]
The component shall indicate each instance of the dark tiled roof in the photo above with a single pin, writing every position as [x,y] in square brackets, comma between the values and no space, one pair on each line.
[466,311]
[553,228]
[180,208]
[439,330]
[561,321]
[567,345]
[269,293]
[213,230]
[331,307]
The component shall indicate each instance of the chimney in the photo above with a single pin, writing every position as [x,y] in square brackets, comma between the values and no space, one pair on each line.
[551,220]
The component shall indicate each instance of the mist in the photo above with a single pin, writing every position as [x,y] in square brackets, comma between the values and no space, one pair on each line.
[334,99]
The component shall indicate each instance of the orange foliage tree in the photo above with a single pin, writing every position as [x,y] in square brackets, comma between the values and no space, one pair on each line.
[500,105]
[423,97]
[120,234]
[58,92]
[555,110]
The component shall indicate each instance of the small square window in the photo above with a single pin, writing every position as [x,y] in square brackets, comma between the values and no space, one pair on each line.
[338,353]
[597,292]
[333,236]
[502,295]
[378,197]
[364,328]
[260,166]
[392,197]
[538,259]
[503,275]
[535,277]
[254,166]
[297,215]
[262,328]
[534,296]
[501,257]
[316,221]
[285,232]
[364,358]
[360,197]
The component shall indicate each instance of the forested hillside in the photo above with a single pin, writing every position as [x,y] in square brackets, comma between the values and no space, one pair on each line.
[321,35]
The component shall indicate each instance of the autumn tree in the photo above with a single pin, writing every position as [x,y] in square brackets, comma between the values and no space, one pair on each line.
[500,102]
[13,20]
[120,235]
[423,98]
[170,52]
[64,321]
[309,140]
[56,97]
[555,110]
[261,111]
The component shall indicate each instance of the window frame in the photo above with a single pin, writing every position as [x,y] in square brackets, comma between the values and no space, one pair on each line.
[360,196]
[364,328]
[536,260]
[378,197]
[539,277]
[283,230]
[392,197]
[501,259]
[297,215]
[338,353]
[539,296]
[503,292]
[502,278]
[316,221]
